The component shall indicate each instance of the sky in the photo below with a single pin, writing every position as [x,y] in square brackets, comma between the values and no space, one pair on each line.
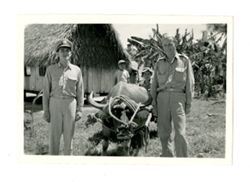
[125,31]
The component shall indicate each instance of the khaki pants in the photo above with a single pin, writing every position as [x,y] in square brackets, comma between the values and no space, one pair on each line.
[171,115]
[62,121]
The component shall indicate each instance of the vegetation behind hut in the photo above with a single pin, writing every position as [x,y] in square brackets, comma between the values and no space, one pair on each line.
[208,56]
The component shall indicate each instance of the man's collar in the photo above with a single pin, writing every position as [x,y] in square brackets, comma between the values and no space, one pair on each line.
[69,66]
[176,57]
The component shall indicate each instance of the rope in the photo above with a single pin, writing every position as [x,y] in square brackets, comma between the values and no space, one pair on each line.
[113,116]
[128,103]
[135,112]
[135,108]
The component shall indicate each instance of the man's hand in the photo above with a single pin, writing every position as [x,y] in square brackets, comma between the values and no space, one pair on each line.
[188,109]
[78,115]
[46,116]
[154,110]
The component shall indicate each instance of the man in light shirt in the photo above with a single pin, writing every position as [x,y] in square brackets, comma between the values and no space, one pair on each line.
[121,74]
[62,98]
[172,90]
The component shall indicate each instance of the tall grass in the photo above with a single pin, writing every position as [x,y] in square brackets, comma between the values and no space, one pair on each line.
[205,133]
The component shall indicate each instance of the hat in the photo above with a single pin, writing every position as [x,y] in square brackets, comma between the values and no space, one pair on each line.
[147,69]
[169,38]
[121,61]
[63,43]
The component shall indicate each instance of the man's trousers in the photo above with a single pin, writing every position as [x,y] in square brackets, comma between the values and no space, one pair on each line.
[62,122]
[171,115]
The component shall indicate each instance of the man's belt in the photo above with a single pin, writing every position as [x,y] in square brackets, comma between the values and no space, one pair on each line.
[62,97]
[170,90]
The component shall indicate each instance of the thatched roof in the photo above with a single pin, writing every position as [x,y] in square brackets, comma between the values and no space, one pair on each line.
[93,44]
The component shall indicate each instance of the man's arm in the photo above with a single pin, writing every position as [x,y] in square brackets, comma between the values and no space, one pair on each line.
[154,87]
[46,95]
[189,86]
[80,92]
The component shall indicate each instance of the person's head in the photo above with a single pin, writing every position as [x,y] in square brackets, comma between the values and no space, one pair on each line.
[147,73]
[63,50]
[122,64]
[133,51]
[168,45]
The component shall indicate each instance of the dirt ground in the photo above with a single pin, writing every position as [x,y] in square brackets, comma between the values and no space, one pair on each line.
[205,131]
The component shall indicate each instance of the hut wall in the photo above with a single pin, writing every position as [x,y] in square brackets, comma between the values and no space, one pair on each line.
[34,82]
[27,83]
[107,79]
[97,79]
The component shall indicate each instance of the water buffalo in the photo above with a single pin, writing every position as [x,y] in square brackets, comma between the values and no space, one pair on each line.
[124,116]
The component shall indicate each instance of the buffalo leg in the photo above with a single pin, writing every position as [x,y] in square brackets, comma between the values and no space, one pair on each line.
[105,145]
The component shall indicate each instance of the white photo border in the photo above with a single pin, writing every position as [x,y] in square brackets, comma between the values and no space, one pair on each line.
[23,20]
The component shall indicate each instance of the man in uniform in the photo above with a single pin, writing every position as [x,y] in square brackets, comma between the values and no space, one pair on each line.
[62,98]
[172,91]
[121,74]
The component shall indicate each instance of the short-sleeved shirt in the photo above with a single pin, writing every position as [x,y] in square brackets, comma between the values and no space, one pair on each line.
[177,75]
[121,75]
[60,82]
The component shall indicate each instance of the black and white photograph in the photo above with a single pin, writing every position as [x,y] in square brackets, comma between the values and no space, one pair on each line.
[159,89]
[124,90]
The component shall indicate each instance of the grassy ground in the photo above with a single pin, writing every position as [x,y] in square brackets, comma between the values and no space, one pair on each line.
[205,132]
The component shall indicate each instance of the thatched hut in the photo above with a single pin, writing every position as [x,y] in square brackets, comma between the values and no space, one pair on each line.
[96,50]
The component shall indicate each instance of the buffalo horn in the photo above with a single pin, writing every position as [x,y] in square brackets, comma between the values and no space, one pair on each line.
[94,103]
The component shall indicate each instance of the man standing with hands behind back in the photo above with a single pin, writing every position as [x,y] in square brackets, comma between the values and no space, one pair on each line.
[62,98]
[172,91]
